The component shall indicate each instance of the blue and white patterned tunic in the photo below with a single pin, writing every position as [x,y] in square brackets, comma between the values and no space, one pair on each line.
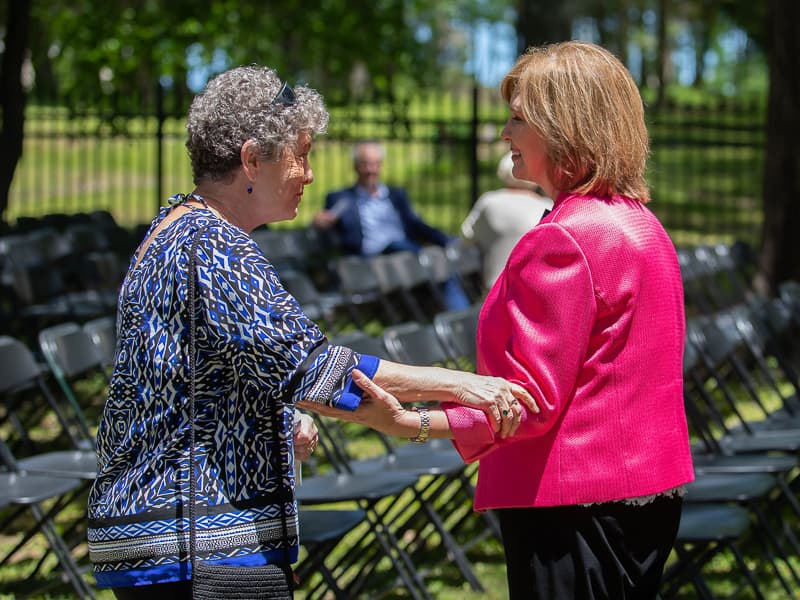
[254,347]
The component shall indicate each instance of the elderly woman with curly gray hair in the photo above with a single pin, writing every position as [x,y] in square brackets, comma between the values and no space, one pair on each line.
[213,355]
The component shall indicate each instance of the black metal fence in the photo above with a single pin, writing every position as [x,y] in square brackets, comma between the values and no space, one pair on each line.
[127,157]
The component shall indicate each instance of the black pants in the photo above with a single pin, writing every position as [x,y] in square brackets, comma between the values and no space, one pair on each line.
[612,551]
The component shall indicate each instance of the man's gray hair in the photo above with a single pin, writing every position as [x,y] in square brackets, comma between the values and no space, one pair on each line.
[361,143]
[237,106]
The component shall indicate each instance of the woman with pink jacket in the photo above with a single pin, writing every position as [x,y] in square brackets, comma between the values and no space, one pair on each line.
[588,317]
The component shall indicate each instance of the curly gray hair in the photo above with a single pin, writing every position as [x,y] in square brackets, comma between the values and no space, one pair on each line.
[236,106]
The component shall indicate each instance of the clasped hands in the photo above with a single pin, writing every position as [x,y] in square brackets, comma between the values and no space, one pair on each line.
[500,399]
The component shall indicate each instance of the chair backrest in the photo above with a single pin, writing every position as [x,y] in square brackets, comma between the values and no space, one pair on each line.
[362,342]
[69,350]
[466,257]
[436,263]
[722,282]
[300,285]
[416,344]
[389,278]
[35,283]
[458,329]
[103,333]
[18,366]
[411,272]
[356,276]
[19,371]
[690,357]
[719,341]
[282,247]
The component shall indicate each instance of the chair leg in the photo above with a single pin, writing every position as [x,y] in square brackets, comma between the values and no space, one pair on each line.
[398,557]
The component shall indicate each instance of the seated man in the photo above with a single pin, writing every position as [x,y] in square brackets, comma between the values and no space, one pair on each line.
[372,218]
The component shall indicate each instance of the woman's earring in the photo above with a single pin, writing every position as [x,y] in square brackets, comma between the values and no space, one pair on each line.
[249,189]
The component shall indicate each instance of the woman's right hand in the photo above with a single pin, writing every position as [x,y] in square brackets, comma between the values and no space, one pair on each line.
[378,409]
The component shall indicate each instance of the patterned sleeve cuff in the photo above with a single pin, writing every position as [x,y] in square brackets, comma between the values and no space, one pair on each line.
[352,394]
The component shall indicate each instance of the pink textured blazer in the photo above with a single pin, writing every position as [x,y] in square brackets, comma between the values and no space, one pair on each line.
[588,317]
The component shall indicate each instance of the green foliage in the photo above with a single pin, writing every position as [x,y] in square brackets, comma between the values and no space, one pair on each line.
[377,50]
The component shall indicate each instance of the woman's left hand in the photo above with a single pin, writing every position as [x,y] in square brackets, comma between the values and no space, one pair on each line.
[305,437]
[499,398]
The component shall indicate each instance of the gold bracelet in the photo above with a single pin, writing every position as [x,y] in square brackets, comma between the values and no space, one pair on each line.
[424,426]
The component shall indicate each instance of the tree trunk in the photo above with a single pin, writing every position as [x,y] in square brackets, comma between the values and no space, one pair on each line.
[702,29]
[662,52]
[540,22]
[12,96]
[779,258]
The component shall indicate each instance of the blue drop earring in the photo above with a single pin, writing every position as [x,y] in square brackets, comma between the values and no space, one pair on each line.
[249,189]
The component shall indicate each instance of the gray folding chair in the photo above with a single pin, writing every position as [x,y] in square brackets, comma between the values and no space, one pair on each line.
[457,329]
[23,492]
[103,333]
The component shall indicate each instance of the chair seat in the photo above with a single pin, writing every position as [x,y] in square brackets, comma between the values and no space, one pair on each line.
[317,526]
[70,463]
[716,487]
[744,463]
[783,440]
[718,522]
[430,463]
[340,487]
[23,488]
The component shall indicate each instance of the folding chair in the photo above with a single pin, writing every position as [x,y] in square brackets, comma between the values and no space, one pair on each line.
[749,451]
[362,291]
[443,491]
[692,276]
[73,356]
[436,263]
[457,329]
[324,307]
[320,532]
[103,333]
[789,292]
[766,330]
[361,342]
[381,497]
[284,248]
[729,344]
[755,492]
[400,274]
[39,270]
[23,379]
[468,264]
[705,531]
[416,344]
[722,283]
[708,456]
[19,372]
[23,492]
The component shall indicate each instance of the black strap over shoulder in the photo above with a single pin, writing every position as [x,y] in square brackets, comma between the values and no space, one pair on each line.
[192,301]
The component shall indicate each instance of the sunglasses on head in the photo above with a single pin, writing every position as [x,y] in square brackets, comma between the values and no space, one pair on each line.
[285,97]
